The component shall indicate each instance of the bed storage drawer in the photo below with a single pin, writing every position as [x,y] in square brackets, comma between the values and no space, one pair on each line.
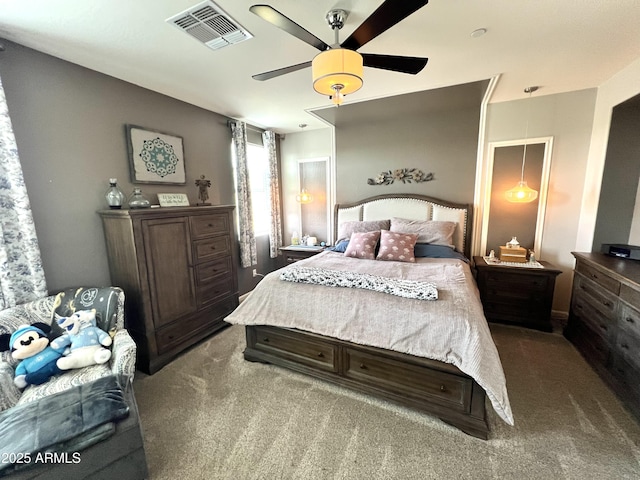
[288,344]
[416,382]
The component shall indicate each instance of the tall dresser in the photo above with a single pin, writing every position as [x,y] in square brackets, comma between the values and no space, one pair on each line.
[178,269]
[604,321]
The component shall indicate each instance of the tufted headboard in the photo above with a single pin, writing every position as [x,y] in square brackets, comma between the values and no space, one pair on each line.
[412,207]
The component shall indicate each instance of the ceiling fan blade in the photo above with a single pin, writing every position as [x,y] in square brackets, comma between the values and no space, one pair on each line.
[276,18]
[385,17]
[280,71]
[412,65]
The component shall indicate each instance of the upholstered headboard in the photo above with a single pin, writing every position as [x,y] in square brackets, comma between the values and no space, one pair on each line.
[412,207]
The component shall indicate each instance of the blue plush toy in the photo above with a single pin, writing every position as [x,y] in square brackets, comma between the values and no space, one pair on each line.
[30,344]
[83,342]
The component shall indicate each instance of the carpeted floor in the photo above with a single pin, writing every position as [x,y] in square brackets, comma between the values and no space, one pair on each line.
[212,415]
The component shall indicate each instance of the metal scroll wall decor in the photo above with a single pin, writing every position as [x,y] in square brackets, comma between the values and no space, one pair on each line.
[404,175]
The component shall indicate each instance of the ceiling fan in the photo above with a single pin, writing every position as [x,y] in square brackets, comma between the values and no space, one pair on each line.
[337,70]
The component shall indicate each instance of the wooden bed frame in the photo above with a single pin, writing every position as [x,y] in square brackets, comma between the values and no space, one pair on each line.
[427,385]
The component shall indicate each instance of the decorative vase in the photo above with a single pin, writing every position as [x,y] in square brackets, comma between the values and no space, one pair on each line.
[114,196]
[138,200]
[513,243]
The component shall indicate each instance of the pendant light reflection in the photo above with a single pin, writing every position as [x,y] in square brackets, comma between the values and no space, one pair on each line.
[521,192]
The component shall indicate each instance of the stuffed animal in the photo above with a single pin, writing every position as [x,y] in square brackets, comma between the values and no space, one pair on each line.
[30,344]
[83,342]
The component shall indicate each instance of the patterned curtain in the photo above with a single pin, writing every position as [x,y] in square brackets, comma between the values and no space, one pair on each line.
[248,255]
[275,231]
[21,273]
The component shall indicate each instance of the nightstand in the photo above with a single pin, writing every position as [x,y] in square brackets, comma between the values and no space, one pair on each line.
[293,253]
[517,295]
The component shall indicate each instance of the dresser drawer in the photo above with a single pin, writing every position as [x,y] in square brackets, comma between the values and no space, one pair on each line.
[212,292]
[604,325]
[416,382]
[288,344]
[211,271]
[627,345]
[211,248]
[183,329]
[207,225]
[629,319]
[590,342]
[593,294]
[598,277]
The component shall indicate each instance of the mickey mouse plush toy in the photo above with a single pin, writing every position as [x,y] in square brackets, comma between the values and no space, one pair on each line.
[30,344]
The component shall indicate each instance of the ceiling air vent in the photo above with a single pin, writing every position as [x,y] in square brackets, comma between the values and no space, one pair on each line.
[209,24]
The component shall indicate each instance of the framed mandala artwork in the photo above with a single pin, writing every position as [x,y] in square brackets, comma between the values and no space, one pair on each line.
[155,157]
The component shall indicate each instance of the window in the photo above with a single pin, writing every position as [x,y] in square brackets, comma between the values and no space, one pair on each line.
[258,166]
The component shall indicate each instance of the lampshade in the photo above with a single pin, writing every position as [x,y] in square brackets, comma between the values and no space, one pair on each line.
[521,193]
[337,72]
[304,196]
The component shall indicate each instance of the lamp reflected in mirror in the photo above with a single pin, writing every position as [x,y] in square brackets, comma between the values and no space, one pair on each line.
[304,197]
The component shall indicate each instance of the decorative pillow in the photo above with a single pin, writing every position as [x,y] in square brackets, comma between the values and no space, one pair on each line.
[426,250]
[347,228]
[340,246]
[397,247]
[363,245]
[429,231]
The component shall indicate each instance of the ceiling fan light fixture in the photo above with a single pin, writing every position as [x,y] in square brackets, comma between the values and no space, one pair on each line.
[338,72]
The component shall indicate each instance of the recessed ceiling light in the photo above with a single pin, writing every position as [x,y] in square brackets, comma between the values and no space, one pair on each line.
[479,32]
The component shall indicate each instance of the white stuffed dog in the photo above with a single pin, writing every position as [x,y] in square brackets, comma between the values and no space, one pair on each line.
[83,341]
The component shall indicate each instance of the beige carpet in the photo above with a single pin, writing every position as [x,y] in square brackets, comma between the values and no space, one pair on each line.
[212,415]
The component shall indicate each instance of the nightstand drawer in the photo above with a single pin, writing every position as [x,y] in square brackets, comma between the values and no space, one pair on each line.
[516,283]
[416,382]
[296,347]
[598,277]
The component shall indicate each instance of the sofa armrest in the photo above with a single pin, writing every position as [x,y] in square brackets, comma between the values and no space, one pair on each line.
[9,393]
[123,355]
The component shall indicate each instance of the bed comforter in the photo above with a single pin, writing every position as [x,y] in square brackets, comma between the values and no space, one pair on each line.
[452,329]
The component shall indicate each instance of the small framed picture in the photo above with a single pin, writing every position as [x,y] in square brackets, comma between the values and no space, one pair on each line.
[155,157]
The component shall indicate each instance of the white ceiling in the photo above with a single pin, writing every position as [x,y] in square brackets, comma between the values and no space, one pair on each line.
[561,45]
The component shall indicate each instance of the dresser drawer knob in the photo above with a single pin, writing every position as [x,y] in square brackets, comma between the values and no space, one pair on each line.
[593,275]
[443,388]
[363,366]
[630,320]
[213,247]
[603,326]
[320,355]
[606,303]
[625,346]
[210,225]
[265,339]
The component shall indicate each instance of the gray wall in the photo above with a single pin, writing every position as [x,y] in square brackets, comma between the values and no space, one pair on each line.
[435,131]
[620,176]
[69,127]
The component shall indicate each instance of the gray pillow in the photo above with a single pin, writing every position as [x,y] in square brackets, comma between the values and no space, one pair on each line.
[429,231]
[347,228]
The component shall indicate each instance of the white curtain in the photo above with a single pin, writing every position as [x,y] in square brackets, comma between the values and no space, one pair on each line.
[248,255]
[275,231]
[21,273]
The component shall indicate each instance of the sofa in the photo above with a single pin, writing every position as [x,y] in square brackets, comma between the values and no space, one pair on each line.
[112,449]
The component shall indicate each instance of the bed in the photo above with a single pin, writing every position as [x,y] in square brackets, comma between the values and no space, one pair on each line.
[435,356]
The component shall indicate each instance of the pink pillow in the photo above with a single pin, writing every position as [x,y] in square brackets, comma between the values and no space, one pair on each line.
[397,247]
[363,245]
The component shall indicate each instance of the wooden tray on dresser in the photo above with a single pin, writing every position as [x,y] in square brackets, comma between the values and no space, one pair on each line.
[427,385]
